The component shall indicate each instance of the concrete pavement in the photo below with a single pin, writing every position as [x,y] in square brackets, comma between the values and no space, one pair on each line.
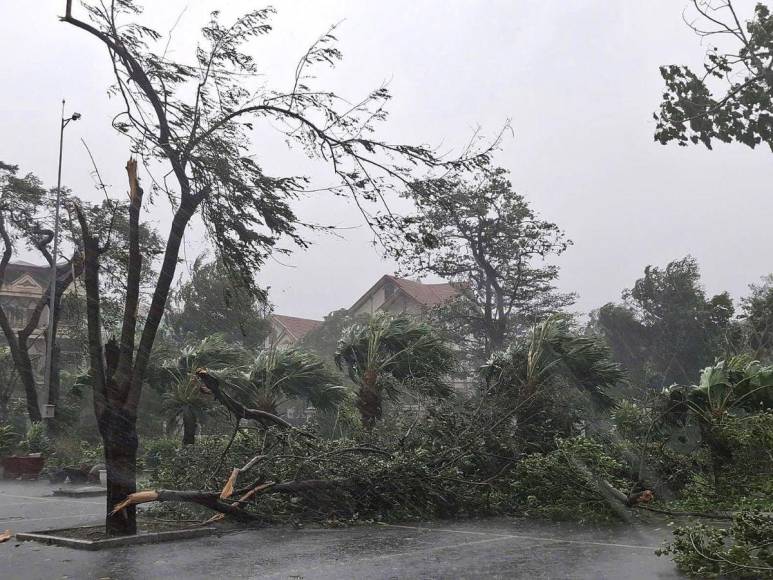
[491,548]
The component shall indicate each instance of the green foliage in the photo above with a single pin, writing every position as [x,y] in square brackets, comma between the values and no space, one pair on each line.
[631,421]
[21,198]
[394,356]
[564,483]
[8,438]
[471,228]
[400,348]
[554,354]
[69,452]
[35,440]
[554,378]
[729,387]
[291,373]
[459,458]
[213,302]
[338,423]
[745,550]
[404,483]
[691,112]
[742,480]
[668,329]
[174,374]
[706,447]
[756,328]
[159,452]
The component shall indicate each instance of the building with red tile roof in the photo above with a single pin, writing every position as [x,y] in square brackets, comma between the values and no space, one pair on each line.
[393,294]
[287,330]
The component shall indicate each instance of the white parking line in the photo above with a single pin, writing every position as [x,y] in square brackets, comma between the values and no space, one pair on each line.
[520,537]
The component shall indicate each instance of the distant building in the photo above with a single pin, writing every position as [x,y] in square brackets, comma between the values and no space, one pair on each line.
[22,289]
[398,295]
[288,330]
[401,296]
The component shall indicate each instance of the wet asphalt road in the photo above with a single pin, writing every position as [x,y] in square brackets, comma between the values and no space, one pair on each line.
[492,548]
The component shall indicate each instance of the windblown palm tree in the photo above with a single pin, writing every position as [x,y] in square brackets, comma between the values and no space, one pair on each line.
[183,399]
[281,374]
[390,355]
[548,378]
[555,357]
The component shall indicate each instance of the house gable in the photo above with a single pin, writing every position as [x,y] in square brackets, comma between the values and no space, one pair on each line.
[404,295]
[287,330]
[24,285]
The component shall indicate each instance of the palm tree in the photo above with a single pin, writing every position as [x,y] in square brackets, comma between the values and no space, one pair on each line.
[554,356]
[281,374]
[391,355]
[543,379]
[183,398]
[736,386]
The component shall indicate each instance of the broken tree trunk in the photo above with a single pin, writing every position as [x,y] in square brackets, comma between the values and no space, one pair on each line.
[119,435]
[230,506]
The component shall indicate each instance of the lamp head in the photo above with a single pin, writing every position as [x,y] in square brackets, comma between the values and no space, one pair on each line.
[75,116]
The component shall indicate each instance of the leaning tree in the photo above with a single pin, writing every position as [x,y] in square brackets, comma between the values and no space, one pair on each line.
[194,122]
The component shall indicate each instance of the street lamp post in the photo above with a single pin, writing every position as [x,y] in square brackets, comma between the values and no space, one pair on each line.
[49,371]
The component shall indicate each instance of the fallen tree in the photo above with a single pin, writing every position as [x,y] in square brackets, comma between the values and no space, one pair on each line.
[456,461]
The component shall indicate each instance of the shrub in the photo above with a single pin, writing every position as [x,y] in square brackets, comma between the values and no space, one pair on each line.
[158,452]
[35,441]
[745,550]
[69,452]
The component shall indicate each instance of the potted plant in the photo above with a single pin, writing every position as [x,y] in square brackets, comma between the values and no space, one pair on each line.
[31,458]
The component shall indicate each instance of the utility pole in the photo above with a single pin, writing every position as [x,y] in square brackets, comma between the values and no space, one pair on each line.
[48,371]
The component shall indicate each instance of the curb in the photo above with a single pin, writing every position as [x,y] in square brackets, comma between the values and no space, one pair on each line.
[49,537]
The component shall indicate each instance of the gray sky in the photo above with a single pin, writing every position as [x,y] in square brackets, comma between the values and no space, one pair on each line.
[579,80]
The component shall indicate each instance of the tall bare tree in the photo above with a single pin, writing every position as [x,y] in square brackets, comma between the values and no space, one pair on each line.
[194,121]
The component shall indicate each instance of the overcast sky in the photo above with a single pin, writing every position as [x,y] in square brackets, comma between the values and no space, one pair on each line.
[579,81]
